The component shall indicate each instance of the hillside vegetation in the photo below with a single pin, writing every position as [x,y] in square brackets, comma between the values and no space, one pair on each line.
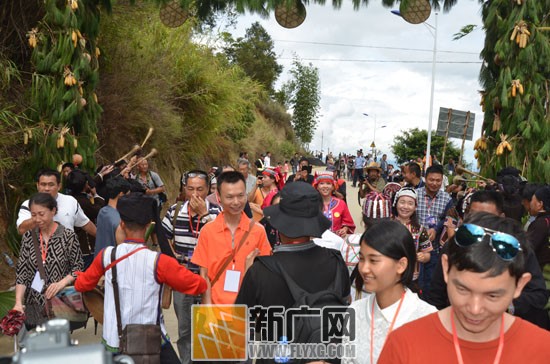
[204,109]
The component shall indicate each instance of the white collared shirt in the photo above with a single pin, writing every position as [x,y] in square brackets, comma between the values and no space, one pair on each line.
[412,308]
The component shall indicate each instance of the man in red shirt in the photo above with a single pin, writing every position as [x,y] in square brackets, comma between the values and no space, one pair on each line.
[140,272]
[484,270]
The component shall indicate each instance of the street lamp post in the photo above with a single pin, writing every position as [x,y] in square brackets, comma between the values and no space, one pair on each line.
[433,32]
[373,145]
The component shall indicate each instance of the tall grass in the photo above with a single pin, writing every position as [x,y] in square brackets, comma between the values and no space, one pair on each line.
[203,109]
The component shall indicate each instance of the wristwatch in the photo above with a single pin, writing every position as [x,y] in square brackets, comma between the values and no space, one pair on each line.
[206,218]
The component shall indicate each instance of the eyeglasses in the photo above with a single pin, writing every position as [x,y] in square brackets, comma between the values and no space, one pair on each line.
[504,245]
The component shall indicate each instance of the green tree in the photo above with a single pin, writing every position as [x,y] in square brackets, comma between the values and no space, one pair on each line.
[520,117]
[255,55]
[411,144]
[303,94]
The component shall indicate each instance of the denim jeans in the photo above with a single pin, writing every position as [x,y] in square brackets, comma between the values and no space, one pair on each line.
[426,272]
[182,308]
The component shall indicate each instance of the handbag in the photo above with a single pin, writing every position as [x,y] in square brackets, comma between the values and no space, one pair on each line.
[36,314]
[140,341]
[68,304]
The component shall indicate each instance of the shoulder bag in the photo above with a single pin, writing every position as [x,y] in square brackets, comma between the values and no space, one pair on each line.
[140,341]
[36,313]
[232,255]
[162,196]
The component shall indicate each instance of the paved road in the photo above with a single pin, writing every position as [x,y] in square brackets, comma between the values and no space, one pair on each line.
[87,336]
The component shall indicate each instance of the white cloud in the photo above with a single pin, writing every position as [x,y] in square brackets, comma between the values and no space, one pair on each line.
[398,93]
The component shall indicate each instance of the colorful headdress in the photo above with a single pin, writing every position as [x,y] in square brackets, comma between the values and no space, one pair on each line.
[324,177]
[377,206]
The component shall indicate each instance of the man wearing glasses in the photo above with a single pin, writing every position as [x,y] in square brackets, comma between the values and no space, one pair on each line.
[182,225]
[484,268]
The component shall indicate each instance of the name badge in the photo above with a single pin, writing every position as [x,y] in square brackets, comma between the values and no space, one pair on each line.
[37,283]
[430,221]
[232,279]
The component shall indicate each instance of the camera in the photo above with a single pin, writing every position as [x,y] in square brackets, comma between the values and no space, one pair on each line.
[307,168]
[51,342]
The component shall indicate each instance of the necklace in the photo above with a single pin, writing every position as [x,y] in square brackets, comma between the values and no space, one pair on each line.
[390,329]
[44,249]
[457,344]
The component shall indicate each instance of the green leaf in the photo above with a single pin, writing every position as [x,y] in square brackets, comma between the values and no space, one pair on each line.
[464,31]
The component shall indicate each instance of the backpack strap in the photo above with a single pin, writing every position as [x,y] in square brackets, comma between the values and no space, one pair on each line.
[273,264]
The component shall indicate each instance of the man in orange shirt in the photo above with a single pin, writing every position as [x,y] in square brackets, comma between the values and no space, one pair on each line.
[484,269]
[228,245]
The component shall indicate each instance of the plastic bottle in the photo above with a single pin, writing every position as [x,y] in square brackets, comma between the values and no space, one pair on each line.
[283,351]
[8,259]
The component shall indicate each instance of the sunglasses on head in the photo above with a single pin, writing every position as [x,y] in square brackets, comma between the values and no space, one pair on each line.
[504,245]
[195,174]
[200,175]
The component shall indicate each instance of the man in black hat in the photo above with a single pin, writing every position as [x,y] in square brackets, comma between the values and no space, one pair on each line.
[140,274]
[298,218]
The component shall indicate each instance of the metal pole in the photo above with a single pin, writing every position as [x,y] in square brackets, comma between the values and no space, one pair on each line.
[374,140]
[429,142]
[449,117]
[466,124]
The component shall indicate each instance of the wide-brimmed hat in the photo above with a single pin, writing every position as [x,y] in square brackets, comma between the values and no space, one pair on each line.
[299,212]
[374,165]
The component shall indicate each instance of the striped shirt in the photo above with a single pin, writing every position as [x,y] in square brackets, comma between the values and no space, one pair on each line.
[186,234]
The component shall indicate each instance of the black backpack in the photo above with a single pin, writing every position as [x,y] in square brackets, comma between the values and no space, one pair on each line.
[307,329]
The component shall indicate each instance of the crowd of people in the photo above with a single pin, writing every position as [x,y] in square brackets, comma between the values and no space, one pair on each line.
[439,263]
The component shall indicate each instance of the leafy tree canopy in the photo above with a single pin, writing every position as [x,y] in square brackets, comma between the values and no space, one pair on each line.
[302,94]
[411,144]
[255,55]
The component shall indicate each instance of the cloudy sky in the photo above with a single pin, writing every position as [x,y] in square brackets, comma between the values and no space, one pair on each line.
[377,63]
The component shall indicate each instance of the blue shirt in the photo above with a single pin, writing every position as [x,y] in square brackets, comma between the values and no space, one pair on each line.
[108,220]
[360,162]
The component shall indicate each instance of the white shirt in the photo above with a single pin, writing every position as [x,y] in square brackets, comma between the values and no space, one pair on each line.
[412,308]
[69,213]
[139,291]
[267,161]
[349,248]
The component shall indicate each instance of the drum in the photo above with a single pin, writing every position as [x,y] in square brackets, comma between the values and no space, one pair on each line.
[94,302]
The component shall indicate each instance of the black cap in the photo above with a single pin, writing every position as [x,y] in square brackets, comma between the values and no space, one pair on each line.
[136,208]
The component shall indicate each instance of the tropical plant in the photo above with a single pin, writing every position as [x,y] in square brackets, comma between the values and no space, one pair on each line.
[63,105]
[7,301]
[516,81]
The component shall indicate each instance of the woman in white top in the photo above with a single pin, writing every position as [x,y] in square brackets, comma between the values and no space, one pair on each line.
[386,264]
